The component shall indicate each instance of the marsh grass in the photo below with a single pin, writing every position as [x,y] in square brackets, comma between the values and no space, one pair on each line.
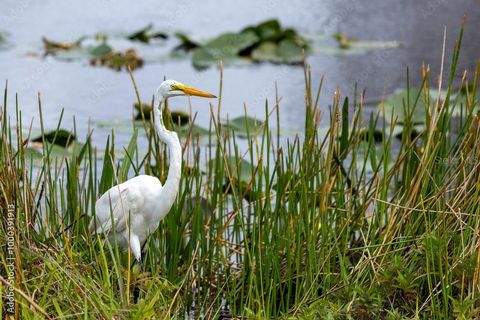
[320,226]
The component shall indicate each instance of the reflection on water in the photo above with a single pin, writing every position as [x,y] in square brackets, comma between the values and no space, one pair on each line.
[104,94]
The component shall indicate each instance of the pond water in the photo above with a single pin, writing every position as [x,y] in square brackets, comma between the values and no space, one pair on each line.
[104,98]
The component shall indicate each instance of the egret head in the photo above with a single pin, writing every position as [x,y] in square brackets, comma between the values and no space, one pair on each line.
[172,88]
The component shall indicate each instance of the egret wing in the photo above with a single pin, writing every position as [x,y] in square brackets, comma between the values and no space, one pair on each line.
[114,208]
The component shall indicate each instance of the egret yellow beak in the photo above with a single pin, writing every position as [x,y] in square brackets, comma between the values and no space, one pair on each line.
[195,92]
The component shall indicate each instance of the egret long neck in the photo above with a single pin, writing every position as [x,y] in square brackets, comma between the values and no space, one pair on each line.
[170,189]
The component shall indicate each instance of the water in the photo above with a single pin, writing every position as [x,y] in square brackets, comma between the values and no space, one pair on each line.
[96,95]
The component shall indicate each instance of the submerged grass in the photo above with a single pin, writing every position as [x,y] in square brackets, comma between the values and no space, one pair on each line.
[321,226]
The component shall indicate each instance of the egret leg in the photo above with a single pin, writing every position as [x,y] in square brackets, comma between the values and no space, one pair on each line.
[137,252]
[136,248]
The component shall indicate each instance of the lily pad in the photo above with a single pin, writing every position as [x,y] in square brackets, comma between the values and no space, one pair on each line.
[60,137]
[205,57]
[55,152]
[143,107]
[240,169]
[344,42]
[233,43]
[100,50]
[241,187]
[186,43]
[118,60]
[52,46]
[243,124]
[181,118]
[4,44]
[394,105]
[289,51]
[99,55]
[224,48]
[266,41]
[32,154]
[194,130]
[266,51]
[178,116]
[266,30]
[146,34]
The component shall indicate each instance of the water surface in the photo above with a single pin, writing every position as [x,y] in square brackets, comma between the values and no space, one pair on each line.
[100,95]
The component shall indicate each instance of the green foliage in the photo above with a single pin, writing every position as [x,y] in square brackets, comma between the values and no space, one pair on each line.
[328,226]
[265,42]
[146,34]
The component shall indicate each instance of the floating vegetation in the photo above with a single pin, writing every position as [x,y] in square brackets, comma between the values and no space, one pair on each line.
[56,152]
[143,110]
[186,43]
[242,125]
[119,60]
[341,44]
[147,34]
[53,47]
[98,55]
[345,42]
[265,42]
[4,44]
[409,107]
[60,137]
[179,117]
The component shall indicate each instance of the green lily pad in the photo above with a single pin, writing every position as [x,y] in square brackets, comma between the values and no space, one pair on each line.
[224,48]
[4,43]
[60,137]
[146,34]
[395,110]
[181,118]
[83,52]
[240,169]
[241,187]
[100,50]
[394,105]
[290,51]
[143,107]
[266,30]
[98,55]
[186,43]
[56,152]
[233,43]
[266,51]
[118,60]
[194,130]
[287,51]
[243,124]
[178,116]
[32,154]
[266,41]
[205,57]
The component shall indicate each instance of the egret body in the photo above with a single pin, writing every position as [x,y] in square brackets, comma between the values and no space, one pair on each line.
[134,208]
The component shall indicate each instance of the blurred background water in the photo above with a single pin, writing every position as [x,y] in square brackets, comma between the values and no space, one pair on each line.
[99,95]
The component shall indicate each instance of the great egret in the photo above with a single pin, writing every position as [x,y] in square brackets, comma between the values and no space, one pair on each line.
[134,208]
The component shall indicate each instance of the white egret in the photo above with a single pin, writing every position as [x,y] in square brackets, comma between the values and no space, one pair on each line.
[133,209]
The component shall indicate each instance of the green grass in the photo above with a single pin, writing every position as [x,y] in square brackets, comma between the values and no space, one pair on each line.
[333,226]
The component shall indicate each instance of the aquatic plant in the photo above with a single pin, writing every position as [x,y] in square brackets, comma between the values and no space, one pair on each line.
[329,226]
